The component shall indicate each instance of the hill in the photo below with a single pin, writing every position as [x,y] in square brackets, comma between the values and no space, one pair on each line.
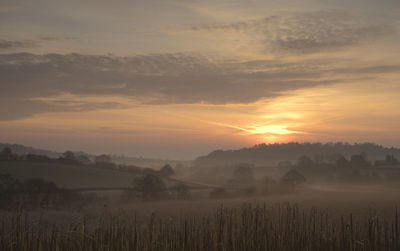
[118,159]
[23,150]
[68,175]
[272,154]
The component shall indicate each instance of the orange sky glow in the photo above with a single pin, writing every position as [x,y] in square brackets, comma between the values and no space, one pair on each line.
[178,80]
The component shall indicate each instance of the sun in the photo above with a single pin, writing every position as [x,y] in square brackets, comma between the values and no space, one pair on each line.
[270,132]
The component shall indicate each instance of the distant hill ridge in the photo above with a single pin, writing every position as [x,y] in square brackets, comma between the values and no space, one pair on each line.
[118,159]
[23,150]
[272,154]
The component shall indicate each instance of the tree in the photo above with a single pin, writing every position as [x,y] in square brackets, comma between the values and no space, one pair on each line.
[166,171]
[7,154]
[8,183]
[391,160]
[293,177]
[6,151]
[341,161]
[150,187]
[35,157]
[244,174]
[68,156]
[305,161]
[9,186]
[359,161]
[83,159]
[103,160]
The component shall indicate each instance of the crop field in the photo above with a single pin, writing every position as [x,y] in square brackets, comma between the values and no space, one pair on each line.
[252,227]
[362,220]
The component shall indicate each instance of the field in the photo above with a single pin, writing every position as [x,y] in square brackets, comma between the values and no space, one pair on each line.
[313,218]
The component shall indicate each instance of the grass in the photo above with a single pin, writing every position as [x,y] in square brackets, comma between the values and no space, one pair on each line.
[250,227]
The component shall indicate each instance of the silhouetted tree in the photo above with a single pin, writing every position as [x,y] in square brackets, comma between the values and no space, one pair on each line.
[83,159]
[69,157]
[341,161]
[305,162]
[150,187]
[104,161]
[359,161]
[9,186]
[166,171]
[6,151]
[391,160]
[7,154]
[244,174]
[36,158]
[293,177]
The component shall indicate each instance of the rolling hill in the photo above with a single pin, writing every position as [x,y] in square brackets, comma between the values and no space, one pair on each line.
[272,154]
[68,175]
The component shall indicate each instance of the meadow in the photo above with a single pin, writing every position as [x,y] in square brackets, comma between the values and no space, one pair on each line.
[327,218]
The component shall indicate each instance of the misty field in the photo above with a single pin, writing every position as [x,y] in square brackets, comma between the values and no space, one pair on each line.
[344,219]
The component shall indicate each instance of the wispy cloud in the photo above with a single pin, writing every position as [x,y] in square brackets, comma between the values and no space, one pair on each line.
[17,44]
[306,32]
[157,79]
[9,8]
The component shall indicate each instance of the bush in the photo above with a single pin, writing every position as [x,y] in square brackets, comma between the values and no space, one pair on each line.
[150,187]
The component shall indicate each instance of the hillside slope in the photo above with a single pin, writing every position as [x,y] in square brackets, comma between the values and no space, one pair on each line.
[272,154]
[67,175]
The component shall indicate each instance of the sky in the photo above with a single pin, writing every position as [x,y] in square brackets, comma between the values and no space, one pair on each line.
[178,79]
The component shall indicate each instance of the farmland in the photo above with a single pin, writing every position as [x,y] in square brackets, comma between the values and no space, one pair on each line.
[312,218]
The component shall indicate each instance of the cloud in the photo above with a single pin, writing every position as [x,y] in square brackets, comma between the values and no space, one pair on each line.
[11,8]
[30,43]
[307,32]
[34,83]
[7,44]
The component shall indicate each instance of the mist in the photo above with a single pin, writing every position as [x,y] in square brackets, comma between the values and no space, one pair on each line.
[200,125]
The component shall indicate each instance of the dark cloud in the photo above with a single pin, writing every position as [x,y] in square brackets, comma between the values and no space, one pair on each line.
[158,79]
[30,43]
[17,108]
[7,44]
[307,32]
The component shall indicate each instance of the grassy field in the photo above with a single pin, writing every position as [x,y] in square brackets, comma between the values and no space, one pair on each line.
[312,217]
[334,218]
[68,176]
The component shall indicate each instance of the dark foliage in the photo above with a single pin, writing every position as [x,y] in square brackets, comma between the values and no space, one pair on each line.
[272,154]
[35,193]
[150,187]
[166,171]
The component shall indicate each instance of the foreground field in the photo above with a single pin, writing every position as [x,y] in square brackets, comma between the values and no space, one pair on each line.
[315,218]
[252,227]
